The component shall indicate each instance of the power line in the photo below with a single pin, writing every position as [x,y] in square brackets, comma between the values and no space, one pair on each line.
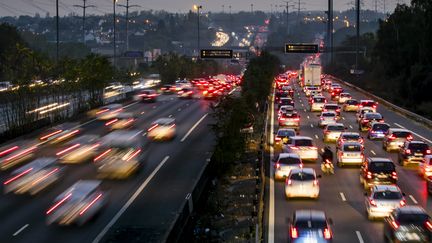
[84,7]
[127,6]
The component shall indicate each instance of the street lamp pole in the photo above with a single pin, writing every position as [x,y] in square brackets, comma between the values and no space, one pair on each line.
[114,31]
[57,32]
[197,8]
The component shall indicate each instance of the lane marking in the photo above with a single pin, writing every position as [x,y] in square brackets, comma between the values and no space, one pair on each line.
[272,189]
[142,112]
[193,127]
[179,109]
[343,118]
[359,236]
[232,91]
[373,152]
[154,107]
[429,141]
[351,126]
[129,202]
[342,196]
[316,136]
[308,117]
[20,229]
[302,104]
[413,199]
[170,116]
[304,110]
[312,125]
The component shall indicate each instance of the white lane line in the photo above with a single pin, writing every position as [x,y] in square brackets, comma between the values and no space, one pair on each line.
[154,107]
[187,104]
[413,199]
[271,220]
[142,112]
[351,126]
[171,98]
[232,91]
[308,117]
[342,195]
[304,110]
[193,127]
[20,229]
[129,202]
[429,141]
[170,116]
[373,152]
[316,136]
[179,109]
[343,118]
[302,104]
[359,236]
[144,134]
[312,125]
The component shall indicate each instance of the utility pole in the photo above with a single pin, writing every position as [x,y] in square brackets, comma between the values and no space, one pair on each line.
[127,6]
[57,30]
[223,8]
[197,8]
[299,3]
[358,31]
[330,29]
[84,6]
[252,8]
[114,30]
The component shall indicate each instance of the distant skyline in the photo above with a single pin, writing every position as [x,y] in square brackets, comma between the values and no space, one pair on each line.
[31,7]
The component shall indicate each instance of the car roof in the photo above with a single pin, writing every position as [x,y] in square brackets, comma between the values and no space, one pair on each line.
[289,155]
[380,159]
[113,106]
[398,130]
[377,122]
[366,101]
[350,134]
[352,143]
[373,113]
[335,125]
[82,188]
[331,104]
[392,188]
[37,164]
[411,209]
[125,137]
[417,142]
[164,120]
[306,170]
[301,137]
[309,215]
[286,129]
[319,96]
[84,139]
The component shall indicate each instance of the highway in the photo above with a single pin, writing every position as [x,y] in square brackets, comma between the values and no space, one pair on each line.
[147,201]
[341,195]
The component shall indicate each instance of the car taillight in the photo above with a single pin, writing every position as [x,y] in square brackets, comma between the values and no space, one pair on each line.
[428,151]
[277,165]
[394,175]
[327,234]
[365,120]
[297,119]
[9,150]
[152,127]
[337,110]
[429,225]
[68,149]
[402,203]
[392,137]
[58,203]
[394,224]
[321,118]
[17,176]
[408,151]
[288,182]
[295,148]
[372,202]
[277,138]
[369,175]
[315,182]
[294,233]
[410,137]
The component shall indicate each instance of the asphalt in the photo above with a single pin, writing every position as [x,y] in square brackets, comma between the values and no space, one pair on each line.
[341,195]
[147,201]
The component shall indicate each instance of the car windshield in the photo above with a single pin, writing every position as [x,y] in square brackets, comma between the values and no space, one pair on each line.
[380,127]
[302,176]
[378,167]
[289,161]
[328,114]
[412,217]
[350,137]
[368,103]
[352,102]
[303,142]
[373,116]
[387,195]
[286,133]
[352,148]
[319,100]
[401,134]
[418,146]
[335,128]
[307,224]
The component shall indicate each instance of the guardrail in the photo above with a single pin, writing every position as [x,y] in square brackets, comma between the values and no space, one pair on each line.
[393,107]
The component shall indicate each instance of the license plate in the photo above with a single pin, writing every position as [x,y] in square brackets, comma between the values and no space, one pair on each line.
[382,176]
[418,154]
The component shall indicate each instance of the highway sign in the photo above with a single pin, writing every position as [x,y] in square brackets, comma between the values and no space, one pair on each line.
[215,53]
[301,48]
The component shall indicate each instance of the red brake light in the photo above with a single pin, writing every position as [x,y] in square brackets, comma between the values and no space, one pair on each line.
[102,154]
[288,182]
[394,175]
[408,151]
[90,204]
[369,175]
[294,147]
[68,149]
[372,202]
[315,182]
[294,233]
[392,137]
[402,203]
[51,134]
[68,135]
[429,225]
[134,154]
[277,138]
[111,122]
[152,127]
[327,234]
[8,150]
[277,165]
[58,204]
[410,137]
[394,224]
[102,111]
[18,176]
[428,151]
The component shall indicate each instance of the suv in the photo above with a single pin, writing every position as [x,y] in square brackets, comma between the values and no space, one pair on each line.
[377,130]
[290,120]
[396,137]
[383,200]
[148,95]
[413,152]
[407,223]
[310,226]
[368,118]
[317,103]
[303,146]
[283,135]
[377,171]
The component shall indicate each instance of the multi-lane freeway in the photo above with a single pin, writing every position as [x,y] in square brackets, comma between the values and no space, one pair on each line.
[341,195]
[146,202]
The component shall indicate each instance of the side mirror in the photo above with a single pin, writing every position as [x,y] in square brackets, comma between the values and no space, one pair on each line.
[403,194]
[319,176]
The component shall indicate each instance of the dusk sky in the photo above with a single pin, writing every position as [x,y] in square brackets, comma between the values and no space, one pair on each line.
[30,7]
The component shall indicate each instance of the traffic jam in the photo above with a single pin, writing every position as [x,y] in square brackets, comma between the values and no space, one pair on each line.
[115,146]
[301,165]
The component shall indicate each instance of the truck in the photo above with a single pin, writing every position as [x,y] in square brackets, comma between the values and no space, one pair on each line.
[311,74]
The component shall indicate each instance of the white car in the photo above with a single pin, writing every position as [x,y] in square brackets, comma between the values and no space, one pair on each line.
[326,118]
[332,132]
[382,200]
[303,146]
[343,97]
[286,109]
[108,112]
[302,182]
[318,103]
[350,153]
[162,129]
[285,163]
[33,177]
[78,204]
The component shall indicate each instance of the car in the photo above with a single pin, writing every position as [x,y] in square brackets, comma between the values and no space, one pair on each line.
[17,153]
[78,204]
[310,226]
[396,137]
[302,182]
[413,152]
[162,129]
[122,120]
[408,224]
[377,130]
[429,184]
[327,84]
[148,95]
[283,136]
[60,134]
[377,171]
[350,105]
[309,89]
[343,97]
[290,120]
[327,117]
[332,107]
[286,101]
[289,89]
[79,150]
[315,92]
[186,93]
[334,86]
[281,94]
[382,200]
[425,168]
[120,154]
[335,93]
[369,103]
[349,137]
[350,153]
[368,118]
[287,109]
[168,89]
[332,132]
[317,103]
[360,113]
[33,177]
[303,146]
[108,112]
[285,163]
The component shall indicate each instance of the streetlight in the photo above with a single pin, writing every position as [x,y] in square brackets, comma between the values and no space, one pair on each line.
[197,8]
[114,31]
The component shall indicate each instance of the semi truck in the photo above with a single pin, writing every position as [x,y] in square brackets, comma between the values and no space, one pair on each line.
[311,74]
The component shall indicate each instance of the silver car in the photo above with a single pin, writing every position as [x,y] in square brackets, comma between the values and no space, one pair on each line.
[302,182]
[303,146]
[327,117]
[285,163]
[395,138]
[351,153]
[332,132]
[382,200]
[344,97]
[318,103]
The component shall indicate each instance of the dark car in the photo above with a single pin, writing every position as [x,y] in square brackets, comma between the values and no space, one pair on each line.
[368,118]
[168,89]
[413,152]
[186,93]
[335,93]
[310,226]
[148,95]
[377,130]
[408,224]
[332,107]
[286,101]
[281,94]
[377,171]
